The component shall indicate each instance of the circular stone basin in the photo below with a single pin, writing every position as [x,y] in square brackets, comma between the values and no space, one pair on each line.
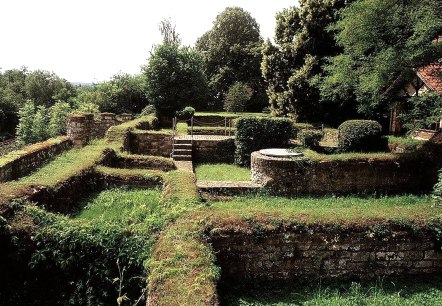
[280,153]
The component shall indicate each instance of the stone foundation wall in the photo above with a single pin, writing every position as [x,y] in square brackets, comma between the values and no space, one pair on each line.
[392,176]
[317,254]
[148,143]
[213,151]
[81,128]
[32,157]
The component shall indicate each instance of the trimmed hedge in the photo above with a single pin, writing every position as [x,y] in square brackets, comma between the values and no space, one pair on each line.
[253,134]
[310,138]
[361,136]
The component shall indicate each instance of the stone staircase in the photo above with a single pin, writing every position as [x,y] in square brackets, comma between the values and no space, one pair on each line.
[182,149]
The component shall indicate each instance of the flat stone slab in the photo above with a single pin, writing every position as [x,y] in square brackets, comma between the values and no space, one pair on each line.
[184,165]
[204,137]
[276,152]
[227,187]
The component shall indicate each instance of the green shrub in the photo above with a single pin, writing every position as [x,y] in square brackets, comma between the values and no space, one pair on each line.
[437,191]
[186,113]
[237,97]
[310,138]
[361,135]
[25,133]
[254,134]
[149,110]
[58,118]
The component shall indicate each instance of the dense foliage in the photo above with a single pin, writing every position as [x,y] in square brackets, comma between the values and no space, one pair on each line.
[175,78]
[422,111]
[361,135]
[292,67]
[310,138]
[186,113]
[254,134]
[232,53]
[237,97]
[381,41]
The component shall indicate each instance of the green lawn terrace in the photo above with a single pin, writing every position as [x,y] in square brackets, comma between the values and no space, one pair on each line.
[107,211]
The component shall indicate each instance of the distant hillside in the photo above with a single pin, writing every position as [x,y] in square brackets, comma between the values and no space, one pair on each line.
[82,84]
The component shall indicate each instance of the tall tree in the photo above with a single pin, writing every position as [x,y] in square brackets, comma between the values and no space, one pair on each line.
[232,52]
[169,33]
[381,40]
[292,68]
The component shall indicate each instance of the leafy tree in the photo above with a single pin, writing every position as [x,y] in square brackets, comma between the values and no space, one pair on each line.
[174,78]
[169,33]
[237,97]
[40,124]
[45,88]
[232,52]
[25,132]
[58,118]
[381,40]
[422,111]
[292,68]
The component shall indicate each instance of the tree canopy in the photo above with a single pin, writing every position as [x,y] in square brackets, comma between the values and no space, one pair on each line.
[292,68]
[381,39]
[232,53]
[175,78]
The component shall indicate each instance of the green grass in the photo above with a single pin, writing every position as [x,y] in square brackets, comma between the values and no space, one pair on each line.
[131,206]
[66,165]
[387,292]
[405,142]
[221,172]
[331,209]
[315,156]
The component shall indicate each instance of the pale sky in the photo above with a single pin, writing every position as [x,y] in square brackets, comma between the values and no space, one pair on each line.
[90,40]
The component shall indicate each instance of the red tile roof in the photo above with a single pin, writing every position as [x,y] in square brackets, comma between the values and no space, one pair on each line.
[432,76]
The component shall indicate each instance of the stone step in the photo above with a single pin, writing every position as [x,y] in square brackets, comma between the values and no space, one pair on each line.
[183,141]
[228,187]
[182,157]
[185,146]
[182,152]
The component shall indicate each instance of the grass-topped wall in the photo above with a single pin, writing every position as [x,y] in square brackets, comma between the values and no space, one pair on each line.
[19,163]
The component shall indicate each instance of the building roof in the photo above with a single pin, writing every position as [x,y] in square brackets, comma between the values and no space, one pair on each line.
[431,75]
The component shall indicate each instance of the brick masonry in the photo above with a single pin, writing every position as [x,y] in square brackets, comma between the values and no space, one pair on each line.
[34,156]
[317,254]
[363,175]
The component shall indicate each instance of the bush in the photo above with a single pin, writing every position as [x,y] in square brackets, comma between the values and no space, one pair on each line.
[310,138]
[149,110]
[58,118]
[361,135]
[237,97]
[186,113]
[254,134]
[25,133]
[424,110]
[437,191]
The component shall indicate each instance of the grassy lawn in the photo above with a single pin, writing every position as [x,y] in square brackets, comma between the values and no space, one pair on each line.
[221,172]
[387,292]
[231,115]
[330,209]
[118,205]
[405,142]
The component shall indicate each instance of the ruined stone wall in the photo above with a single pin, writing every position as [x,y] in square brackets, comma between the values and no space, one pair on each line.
[213,151]
[30,158]
[316,254]
[151,143]
[361,175]
[81,128]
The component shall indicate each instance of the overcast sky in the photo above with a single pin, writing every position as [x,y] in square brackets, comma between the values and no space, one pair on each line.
[90,40]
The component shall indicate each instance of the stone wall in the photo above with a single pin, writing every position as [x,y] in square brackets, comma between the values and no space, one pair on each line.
[213,151]
[359,175]
[151,143]
[23,162]
[315,254]
[81,128]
